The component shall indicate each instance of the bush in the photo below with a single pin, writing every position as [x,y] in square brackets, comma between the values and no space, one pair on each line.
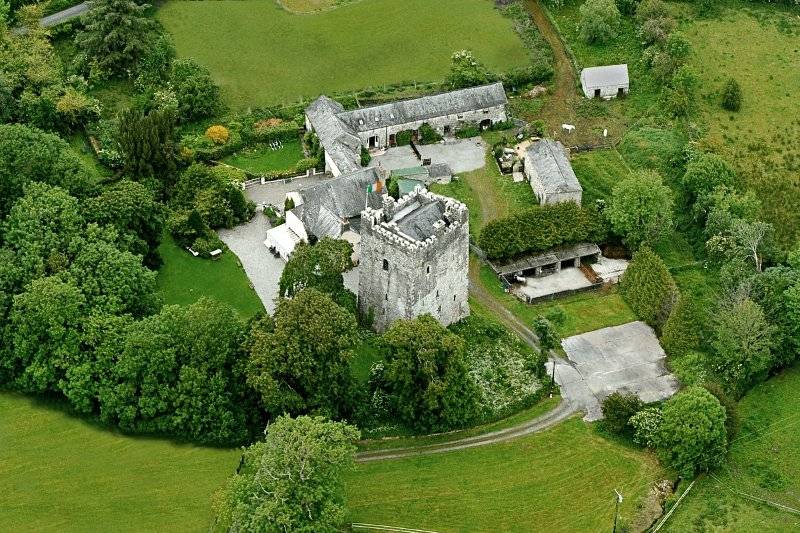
[732,96]
[467,130]
[682,331]
[185,226]
[692,436]
[541,228]
[618,408]
[403,138]
[428,135]
[218,134]
[646,425]
[365,157]
[600,21]
[627,7]
[197,94]
[648,288]
[732,422]
[208,243]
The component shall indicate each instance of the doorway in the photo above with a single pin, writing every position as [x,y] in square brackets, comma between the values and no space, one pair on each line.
[597,93]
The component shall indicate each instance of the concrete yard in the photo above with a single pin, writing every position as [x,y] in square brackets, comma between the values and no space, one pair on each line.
[626,358]
[563,280]
[462,155]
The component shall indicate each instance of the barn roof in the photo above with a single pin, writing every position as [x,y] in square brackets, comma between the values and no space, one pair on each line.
[605,76]
[562,253]
[340,142]
[550,161]
[426,107]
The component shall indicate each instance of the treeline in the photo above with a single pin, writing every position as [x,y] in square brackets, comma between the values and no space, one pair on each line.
[541,228]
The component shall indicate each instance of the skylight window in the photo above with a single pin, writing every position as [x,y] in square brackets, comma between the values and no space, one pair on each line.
[361,121]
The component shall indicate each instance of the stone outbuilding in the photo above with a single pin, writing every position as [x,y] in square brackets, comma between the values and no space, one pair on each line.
[550,173]
[343,133]
[414,259]
[605,82]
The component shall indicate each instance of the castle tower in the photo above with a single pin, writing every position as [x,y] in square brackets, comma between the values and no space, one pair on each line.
[414,259]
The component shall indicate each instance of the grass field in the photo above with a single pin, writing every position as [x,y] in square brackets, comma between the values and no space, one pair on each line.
[764,461]
[559,480]
[598,171]
[761,139]
[184,279]
[60,473]
[261,54]
[261,159]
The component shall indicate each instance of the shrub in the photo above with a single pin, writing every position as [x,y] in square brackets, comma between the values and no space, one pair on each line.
[185,226]
[600,21]
[428,135]
[208,243]
[197,94]
[732,422]
[682,331]
[365,157]
[648,288]
[732,96]
[627,7]
[466,71]
[541,228]
[646,424]
[641,208]
[618,408]
[403,138]
[655,21]
[692,436]
[218,134]
[467,130]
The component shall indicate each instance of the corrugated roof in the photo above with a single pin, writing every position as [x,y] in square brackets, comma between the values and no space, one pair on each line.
[605,76]
[550,161]
[426,107]
[562,253]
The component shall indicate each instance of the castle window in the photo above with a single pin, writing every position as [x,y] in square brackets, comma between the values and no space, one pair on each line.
[428,269]
[454,297]
[386,297]
[437,294]
[440,308]
[485,111]
[385,264]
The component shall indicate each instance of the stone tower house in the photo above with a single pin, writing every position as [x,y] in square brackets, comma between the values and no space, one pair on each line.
[414,259]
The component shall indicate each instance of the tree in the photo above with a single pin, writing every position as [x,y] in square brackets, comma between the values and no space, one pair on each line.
[742,344]
[683,330]
[646,424]
[600,21]
[641,209]
[681,93]
[319,266]
[131,208]
[116,34]
[692,436]
[291,481]
[45,325]
[732,422]
[655,21]
[300,361]
[618,408]
[147,144]
[549,339]
[627,7]
[648,287]
[777,291]
[732,95]
[28,154]
[198,95]
[466,71]
[180,372]
[743,241]
[427,376]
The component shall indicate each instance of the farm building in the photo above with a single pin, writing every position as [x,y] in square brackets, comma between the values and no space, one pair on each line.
[343,133]
[605,82]
[551,176]
[414,259]
[330,209]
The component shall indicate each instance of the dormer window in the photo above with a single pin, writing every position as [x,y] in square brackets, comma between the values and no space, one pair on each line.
[391,115]
[377,119]
[361,121]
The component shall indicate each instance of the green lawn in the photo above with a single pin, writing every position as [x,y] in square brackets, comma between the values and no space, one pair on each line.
[184,279]
[598,171]
[262,159]
[761,139]
[559,480]
[261,54]
[60,473]
[764,461]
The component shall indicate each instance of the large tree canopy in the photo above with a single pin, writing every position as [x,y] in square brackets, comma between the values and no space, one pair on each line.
[641,209]
[291,481]
[648,288]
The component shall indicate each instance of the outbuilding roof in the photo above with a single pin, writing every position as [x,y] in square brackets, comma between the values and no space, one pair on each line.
[605,76]
[426,107]
[553,171]
[551,257]
[340,142]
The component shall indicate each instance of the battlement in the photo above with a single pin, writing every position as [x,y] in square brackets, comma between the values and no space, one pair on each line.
[415,222]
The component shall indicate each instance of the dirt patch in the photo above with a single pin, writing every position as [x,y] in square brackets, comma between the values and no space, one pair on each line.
[652,506]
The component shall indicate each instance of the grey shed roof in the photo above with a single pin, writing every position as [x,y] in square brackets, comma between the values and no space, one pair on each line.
[549,159]
[328,205]
[341,143]
[440,170]
[427,107]
[562,253]
[606,76]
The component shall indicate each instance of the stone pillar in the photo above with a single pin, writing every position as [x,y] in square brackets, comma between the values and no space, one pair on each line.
[538,271]
[577,262]
[558,266]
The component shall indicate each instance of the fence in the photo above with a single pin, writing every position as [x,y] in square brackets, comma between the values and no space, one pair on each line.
[263,180]
[560,294]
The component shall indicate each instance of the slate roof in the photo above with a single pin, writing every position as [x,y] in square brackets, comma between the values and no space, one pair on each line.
[328,205]
[605,76]
[417,219]
[562,253]
[550,161]
[426,107]
[440,170]
[340,142]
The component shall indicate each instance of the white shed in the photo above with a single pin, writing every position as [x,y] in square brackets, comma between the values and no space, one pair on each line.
[605,82]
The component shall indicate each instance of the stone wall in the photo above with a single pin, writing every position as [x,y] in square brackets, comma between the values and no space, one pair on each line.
[401,278]
[493,114]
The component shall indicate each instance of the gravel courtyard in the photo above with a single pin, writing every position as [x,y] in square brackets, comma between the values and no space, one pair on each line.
[625,358]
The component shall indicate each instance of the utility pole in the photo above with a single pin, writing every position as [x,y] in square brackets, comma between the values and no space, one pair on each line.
[553,378]
[618,500]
